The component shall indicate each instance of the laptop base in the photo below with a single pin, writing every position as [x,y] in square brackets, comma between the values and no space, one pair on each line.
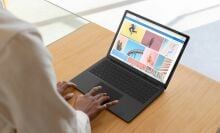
[127,109]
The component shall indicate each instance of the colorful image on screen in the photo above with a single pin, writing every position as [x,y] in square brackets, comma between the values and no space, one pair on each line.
[147,47]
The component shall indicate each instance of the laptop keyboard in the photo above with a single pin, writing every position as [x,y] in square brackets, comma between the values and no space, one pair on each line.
[124,81]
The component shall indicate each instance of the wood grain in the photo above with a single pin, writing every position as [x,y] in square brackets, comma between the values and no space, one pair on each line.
[191,103]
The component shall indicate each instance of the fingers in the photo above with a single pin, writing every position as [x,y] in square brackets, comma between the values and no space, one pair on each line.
[68,96]
[70,84]
[59,84]
[100,95]
[62,86]
[109,104]
[94,91]
[103,99]
[66,84]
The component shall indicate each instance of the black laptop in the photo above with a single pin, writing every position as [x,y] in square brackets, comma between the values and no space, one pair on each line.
[138,66]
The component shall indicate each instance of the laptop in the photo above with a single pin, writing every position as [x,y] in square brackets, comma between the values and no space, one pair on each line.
[138,67]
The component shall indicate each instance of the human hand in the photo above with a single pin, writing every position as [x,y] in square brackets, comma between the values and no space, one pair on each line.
[92,103]
[62,88]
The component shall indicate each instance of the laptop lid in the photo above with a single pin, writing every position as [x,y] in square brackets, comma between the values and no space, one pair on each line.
[148,48]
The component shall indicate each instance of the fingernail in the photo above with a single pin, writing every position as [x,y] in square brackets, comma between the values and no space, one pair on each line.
[99,86]
[71,94]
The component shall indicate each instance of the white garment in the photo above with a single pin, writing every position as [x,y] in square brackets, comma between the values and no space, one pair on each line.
[29,102]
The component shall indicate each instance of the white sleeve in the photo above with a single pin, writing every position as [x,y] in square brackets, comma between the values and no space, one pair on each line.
[33,101]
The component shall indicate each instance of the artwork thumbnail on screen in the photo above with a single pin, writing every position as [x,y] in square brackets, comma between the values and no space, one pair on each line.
[149,52]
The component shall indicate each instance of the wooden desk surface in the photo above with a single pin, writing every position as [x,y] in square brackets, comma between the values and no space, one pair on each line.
[191,103]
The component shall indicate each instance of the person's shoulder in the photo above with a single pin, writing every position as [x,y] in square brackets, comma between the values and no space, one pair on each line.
[10,26]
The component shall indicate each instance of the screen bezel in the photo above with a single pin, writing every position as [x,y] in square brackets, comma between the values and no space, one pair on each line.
[158,83]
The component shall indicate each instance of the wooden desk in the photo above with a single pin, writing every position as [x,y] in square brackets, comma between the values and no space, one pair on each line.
[191,103]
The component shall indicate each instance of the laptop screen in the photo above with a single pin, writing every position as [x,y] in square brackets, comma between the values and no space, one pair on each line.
[147,47]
